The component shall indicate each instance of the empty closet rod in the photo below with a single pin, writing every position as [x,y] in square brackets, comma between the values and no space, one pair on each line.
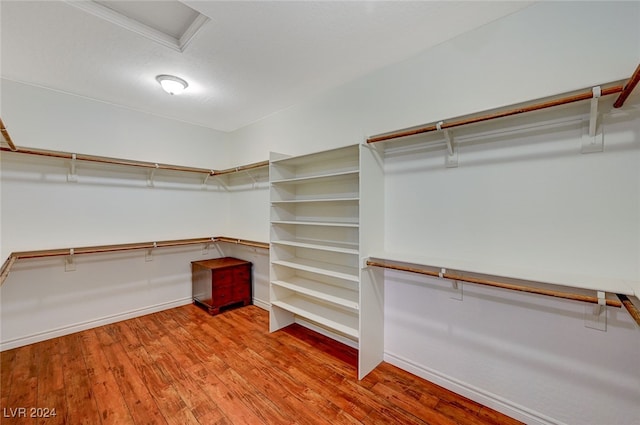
[109,248]
[243,242]
[632,309]
[628,88]
[6,136]
[4,272]
[131,163]
[513,287]
[107,160]
[241,168]
[502,114]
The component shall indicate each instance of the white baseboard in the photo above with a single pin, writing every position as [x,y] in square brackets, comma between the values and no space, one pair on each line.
[89,324]
[262,304]
[478,395]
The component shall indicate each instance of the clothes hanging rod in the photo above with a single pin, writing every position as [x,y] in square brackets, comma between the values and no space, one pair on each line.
[128,162]
[628,88]
[631,308]
[7,137]
[487,282]
[501,114]
[243,242]
[241,168]
[13,257]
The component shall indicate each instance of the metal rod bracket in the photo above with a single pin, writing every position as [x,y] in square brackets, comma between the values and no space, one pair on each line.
[69,263]
[206,177]
[148,256]
[457,290]
[151,174]
[595,317]
[593,137]
[451,161]
[72,176]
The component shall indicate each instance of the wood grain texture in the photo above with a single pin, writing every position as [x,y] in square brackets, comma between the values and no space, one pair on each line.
[628,88]
[183,366]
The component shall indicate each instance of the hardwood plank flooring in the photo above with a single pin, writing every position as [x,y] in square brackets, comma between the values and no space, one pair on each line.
[183,366]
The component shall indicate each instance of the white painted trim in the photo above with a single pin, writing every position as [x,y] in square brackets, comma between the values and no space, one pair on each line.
[476,394]
[351,343]
[262,304]
[89,324]
[191,32]
[325,332]
[138,27]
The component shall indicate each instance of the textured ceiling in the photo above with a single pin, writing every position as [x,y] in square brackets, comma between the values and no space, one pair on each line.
[253,58]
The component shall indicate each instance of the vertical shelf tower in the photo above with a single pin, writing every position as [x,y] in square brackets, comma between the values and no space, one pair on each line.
[315,248]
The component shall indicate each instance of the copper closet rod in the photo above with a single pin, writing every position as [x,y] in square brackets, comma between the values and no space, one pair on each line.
[624,300]
[624,93]
[495,284]
[7,137]
[126,162]
[4,272]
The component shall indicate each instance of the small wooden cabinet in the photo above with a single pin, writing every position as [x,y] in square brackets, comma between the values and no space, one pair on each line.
[221,282]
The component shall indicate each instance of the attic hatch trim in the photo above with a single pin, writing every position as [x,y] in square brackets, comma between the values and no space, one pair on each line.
[133,25]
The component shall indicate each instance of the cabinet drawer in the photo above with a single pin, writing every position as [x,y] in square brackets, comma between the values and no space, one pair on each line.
[222,295]
[241,274]
[241,292]
[222,277]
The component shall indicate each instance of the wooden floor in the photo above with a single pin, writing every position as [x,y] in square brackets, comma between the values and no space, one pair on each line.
[182,366]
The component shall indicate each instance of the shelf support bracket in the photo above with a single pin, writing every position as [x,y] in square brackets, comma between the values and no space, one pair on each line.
[206,177]
[457,290]
[593,138]
[207,245]
[69,262]
[451,160]
[149,255]
[224,186]
[72,176]
[596,316]
[593,116]
[255,182]
[152,172]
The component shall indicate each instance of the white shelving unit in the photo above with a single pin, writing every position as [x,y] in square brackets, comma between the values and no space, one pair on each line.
[316,253]
[314,238]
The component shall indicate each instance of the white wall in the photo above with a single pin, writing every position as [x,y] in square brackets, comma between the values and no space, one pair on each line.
[107,205]
[529,356]
[546,49]
[47,119]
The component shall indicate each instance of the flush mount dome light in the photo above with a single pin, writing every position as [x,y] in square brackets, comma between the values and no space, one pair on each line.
[172,84]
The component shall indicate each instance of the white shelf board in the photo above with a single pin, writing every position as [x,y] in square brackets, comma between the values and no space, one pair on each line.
[317,223]
[326,155]
[538,274]
[324,177]
[312,288]
[327,269]
[341,247]
[301,201]
[325,316]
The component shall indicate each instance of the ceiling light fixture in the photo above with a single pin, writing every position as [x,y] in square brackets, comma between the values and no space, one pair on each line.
[172,84]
